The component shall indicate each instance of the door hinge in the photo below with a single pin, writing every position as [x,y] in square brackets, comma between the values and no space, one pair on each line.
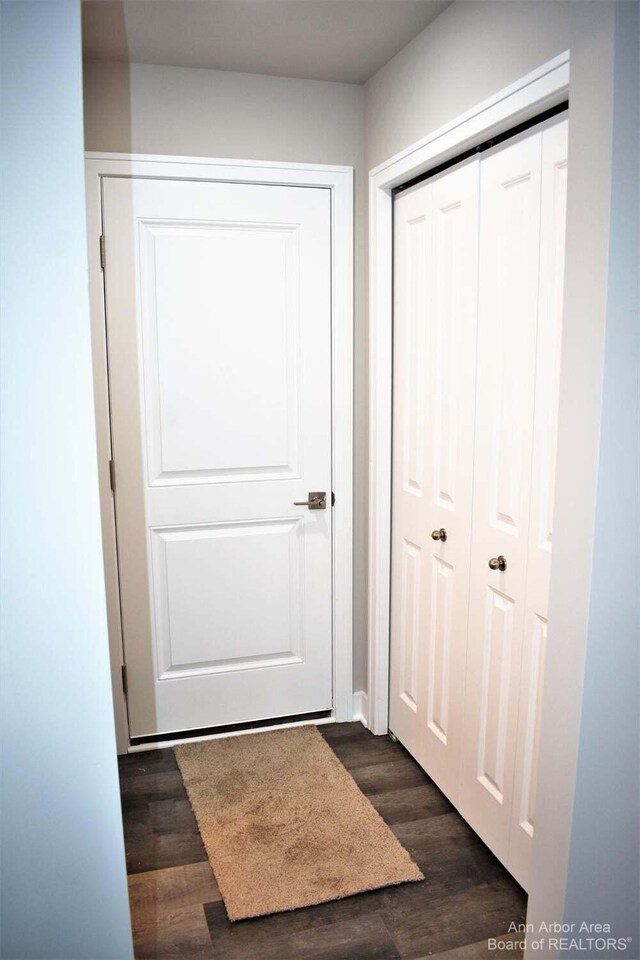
[125,685]
[333,499]
[112,476]
[102,252]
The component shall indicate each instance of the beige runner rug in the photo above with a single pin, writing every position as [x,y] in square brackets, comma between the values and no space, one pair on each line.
[285,825]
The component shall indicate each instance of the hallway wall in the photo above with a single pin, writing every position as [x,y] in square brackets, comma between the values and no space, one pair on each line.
[608,774]
[64,889]
[57,723]
[467,54]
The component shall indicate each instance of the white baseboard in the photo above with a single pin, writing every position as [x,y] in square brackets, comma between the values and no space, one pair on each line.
[361,707]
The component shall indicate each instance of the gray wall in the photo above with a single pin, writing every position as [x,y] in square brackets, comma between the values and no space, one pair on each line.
[142,108]
[609,750]
[467,54]
[64,892]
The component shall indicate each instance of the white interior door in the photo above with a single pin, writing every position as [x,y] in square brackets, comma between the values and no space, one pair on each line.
[219,339]
[549,332]
[435,318]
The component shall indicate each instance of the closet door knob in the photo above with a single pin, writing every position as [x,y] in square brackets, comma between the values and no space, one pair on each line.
[498,563]
[440,534]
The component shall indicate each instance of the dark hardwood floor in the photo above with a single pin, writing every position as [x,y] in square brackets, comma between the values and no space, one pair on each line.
[177,911]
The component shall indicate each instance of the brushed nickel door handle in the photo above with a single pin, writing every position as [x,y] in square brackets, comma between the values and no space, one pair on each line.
[440,534]
[317,500]
[498,563]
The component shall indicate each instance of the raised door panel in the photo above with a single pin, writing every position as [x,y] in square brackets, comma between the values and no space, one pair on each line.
[410,628]
[507,319]
[540,540]
[218,303]
[528,737]
[409,554]
[412,346]
[205,621]
[239,419]
[434,370]
[493,727]
[438,696]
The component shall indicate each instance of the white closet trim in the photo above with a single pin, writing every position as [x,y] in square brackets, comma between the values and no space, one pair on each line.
[537,91]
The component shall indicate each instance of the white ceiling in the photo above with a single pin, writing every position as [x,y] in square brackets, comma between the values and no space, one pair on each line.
[344,40]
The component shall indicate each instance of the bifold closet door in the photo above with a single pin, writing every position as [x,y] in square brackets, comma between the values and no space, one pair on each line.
[519,309]
[435,242]
[549,332]
[479,260]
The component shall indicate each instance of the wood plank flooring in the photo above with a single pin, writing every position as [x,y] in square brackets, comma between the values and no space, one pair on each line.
[177,910]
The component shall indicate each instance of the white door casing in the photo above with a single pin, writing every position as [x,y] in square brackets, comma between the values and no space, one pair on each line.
[238,626]
[435,319]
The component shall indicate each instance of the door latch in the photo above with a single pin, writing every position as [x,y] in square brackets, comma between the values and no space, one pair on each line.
[317,500]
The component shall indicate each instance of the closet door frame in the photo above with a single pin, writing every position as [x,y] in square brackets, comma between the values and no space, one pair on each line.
[542,89]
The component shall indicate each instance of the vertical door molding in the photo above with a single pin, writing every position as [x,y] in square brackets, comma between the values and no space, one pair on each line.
[543,88]
[339,180]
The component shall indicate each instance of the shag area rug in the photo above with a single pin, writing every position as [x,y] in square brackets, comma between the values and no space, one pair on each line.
[285,825]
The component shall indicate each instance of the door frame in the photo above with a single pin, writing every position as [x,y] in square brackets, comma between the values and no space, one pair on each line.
[545,87]
[339,180]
